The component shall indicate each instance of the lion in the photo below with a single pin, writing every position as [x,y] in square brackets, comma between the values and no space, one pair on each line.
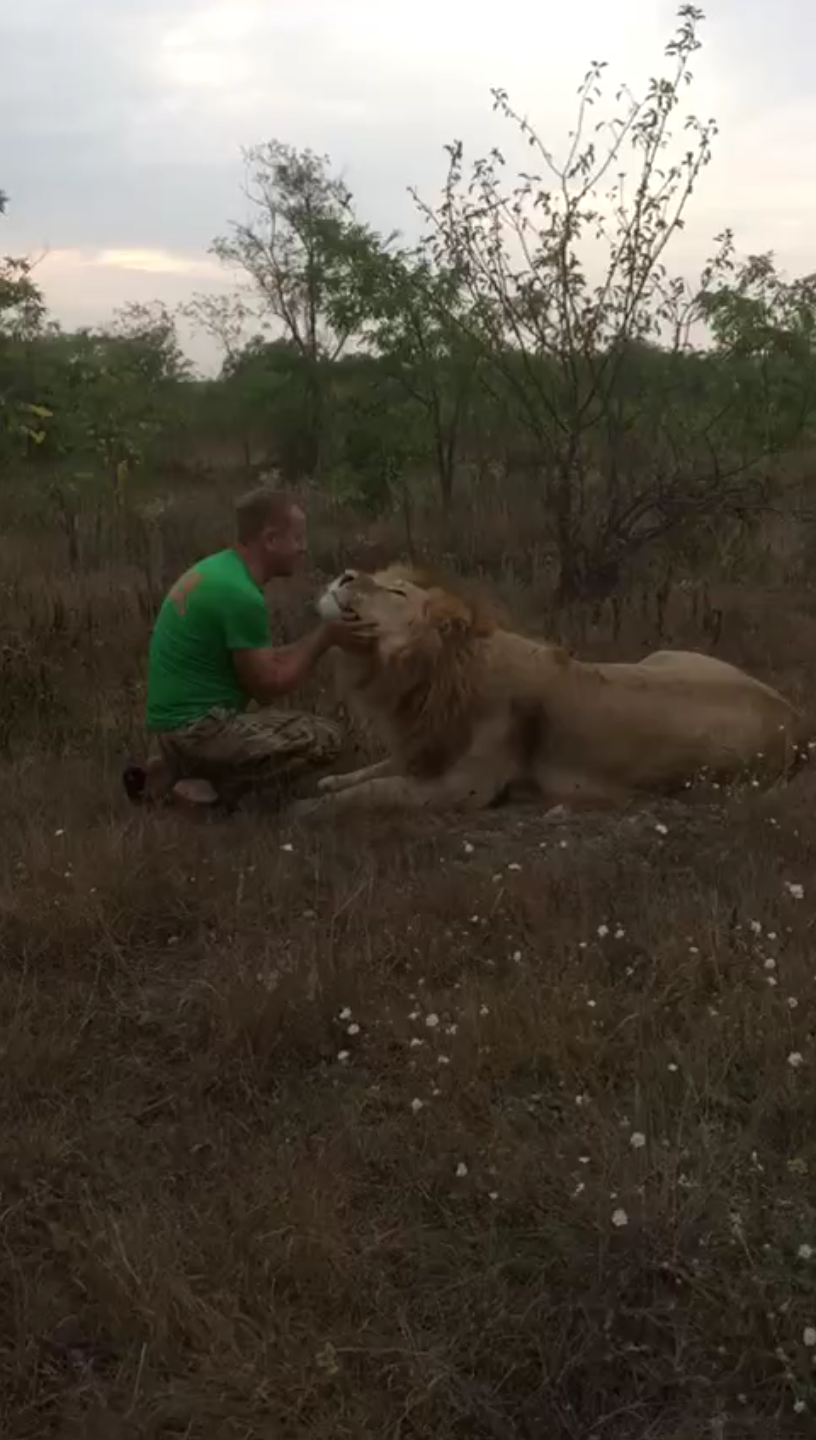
[471,713]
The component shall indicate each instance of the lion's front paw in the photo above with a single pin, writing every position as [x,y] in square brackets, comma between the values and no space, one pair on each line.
[328,783]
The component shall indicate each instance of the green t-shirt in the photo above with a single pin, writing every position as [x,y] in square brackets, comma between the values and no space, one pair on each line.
[216,607]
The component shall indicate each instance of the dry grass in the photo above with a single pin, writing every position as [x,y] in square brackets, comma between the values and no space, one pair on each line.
[227,1211]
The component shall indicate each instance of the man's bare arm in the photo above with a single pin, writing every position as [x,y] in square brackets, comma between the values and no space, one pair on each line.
[268,673]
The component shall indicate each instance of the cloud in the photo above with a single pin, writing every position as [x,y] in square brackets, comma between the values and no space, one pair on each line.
[123,123]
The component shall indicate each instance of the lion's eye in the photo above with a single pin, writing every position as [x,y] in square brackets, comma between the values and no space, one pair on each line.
[394,591]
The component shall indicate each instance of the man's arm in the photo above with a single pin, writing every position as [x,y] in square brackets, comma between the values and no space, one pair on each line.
[268,672]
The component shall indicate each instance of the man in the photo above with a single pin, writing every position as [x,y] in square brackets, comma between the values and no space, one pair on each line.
[211,652]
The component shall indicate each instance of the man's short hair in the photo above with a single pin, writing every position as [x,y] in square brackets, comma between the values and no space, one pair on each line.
[262,509]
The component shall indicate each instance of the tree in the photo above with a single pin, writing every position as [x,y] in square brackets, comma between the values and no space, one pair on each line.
[597,372]
[415,326]
[301,254]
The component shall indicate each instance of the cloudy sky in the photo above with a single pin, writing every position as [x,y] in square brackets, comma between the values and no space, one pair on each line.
[122,121]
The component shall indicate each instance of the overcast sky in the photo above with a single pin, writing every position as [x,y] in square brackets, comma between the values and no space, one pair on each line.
[122,121]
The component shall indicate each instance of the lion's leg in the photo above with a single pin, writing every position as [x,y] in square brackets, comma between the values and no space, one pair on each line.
[334,783]
[461,790]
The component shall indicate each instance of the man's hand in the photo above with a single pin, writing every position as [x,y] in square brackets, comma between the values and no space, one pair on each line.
[350,635]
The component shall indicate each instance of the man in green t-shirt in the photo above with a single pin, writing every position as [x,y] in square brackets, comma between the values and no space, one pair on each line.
[211,652]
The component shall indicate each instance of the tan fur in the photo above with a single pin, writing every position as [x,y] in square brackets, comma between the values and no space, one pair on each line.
[469,711]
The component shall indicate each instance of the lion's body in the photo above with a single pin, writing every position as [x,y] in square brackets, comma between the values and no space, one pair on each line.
[468,712]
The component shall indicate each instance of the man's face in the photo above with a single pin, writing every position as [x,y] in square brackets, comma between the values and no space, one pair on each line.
[285,546]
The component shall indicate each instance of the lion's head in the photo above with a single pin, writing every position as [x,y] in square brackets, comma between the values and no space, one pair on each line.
[423,674]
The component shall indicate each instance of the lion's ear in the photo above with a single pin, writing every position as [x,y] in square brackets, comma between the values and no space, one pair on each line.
[448,614]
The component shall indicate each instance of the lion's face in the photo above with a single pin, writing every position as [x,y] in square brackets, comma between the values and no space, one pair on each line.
[406,614]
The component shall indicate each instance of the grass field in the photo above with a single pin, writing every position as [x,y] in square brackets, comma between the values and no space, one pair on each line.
[466,1130]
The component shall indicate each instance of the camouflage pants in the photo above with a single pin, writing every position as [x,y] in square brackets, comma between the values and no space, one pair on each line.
[237,753]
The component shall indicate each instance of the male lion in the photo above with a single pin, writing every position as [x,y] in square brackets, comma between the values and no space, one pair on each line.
[469,711]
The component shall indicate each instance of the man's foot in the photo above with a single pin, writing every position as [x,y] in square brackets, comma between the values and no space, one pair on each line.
[193,794]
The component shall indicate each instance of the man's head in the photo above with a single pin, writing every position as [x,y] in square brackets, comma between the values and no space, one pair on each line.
[271,533]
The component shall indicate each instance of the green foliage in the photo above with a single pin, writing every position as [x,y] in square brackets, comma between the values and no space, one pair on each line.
[536,334]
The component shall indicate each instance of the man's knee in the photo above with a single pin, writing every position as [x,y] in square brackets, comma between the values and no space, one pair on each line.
[328,739]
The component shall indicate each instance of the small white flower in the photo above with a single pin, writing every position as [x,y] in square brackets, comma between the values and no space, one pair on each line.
[591,1004]
[468,848]
[662,829]
[474,919]
[353,1029]
[770,963]
[799,1407]
[461,1170]
[492,1194]
[516,956]
[620,933]
[443,1060]
[793,1003]
[451,1029]
[484,1010]
[805,1252]
[795,1059]
[58,833]
[343,1055]
[637,1140]
[755,926]
[345,1013]
[795,890]
[619,1219]
[672,1067]
[417,1105]
[414,1015]
[416,1043]
[809,1336]
[603,931]
[288,847]
[432,1021]
[514,866]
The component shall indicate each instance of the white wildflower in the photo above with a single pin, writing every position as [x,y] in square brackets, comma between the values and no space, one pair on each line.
[345,1013]
[517,956]
[755,926]
[432,1021]
[637,1140]
[662,829]
[795,1059]
[603,931]
[484,1010]
[770,963]
[795,890]
[417,1105]
[353,1029]
[809,1336]
[443,1060]
[343,1055]
[514,866]
[805,1252]
[672,1067]
[793,1003]
[288,847]
[619,1219]
[461,1170]
[492,1194]
[468,848]
[416,1043]
[620,933]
